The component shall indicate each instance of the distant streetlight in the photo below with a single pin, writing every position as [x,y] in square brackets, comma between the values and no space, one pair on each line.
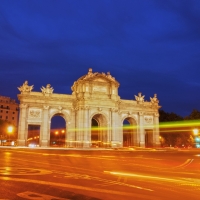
[195,131]
[10,130]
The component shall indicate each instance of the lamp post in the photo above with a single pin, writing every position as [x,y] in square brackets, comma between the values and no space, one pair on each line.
[10,130]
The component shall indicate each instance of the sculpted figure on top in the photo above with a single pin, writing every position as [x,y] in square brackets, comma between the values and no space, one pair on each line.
[47,90]
[154,99]
[139,98]
[90,74]
[110,77]
[25,88]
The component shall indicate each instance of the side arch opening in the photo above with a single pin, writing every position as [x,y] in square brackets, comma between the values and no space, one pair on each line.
[58,130]
[129,132]
[99,131]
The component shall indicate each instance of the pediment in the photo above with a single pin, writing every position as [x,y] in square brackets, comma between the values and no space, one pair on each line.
[100,80]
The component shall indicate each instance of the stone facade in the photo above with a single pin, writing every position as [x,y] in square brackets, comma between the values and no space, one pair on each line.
[94,97]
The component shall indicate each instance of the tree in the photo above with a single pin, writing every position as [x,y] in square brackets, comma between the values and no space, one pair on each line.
[171,136]
[195,114]
[167,117]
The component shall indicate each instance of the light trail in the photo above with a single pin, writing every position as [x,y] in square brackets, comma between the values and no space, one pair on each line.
[173,124]
[148,177]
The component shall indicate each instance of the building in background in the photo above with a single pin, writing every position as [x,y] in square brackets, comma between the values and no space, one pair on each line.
[9,110]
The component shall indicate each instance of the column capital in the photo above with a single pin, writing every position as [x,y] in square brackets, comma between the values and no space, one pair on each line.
[86,107]
[113,109]
[156,114]
[23,105]
[46,107]
[140,113]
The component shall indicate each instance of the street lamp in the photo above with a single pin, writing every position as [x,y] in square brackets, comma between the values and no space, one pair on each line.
[10,130]
[196,131]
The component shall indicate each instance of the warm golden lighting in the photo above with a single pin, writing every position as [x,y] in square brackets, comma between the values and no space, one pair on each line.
[10,129]
[56,132]
[195,131]
[63,131]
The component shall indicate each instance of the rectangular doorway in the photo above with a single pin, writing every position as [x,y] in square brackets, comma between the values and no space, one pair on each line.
[148,138]
[33,138]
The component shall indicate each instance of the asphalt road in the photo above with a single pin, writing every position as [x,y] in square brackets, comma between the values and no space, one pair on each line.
[99,174]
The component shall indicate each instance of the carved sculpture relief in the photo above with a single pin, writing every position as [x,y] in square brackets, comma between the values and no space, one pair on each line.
[35,113]
[47,90]
[139,98]
[25,88]
[90,74]
[154,99]
[148,119]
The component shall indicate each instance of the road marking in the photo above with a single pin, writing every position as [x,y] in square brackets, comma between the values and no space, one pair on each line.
[108,182]
[146,158]
[68,186]
[38,196]
[22,171]
[185,164]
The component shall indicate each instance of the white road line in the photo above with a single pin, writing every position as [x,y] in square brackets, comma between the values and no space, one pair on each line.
[47,183]
[186,163]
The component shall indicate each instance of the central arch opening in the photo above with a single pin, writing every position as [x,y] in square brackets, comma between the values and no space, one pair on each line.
[99,135]
[58,131]
[129,132]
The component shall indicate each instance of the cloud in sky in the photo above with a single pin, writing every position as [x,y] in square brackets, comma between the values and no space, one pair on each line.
[149,46]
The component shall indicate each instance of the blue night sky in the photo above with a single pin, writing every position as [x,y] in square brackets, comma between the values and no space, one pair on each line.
[149,46]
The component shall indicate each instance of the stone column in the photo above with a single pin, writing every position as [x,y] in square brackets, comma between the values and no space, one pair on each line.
[70,136]
[141,130]
[115,140]
[22,128]
[45,132]
[86,127]
[79,127]
[156,133]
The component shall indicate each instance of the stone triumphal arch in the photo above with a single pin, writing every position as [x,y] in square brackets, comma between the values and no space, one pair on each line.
[94,112]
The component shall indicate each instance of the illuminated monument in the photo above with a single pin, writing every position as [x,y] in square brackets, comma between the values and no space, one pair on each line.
[94,99]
